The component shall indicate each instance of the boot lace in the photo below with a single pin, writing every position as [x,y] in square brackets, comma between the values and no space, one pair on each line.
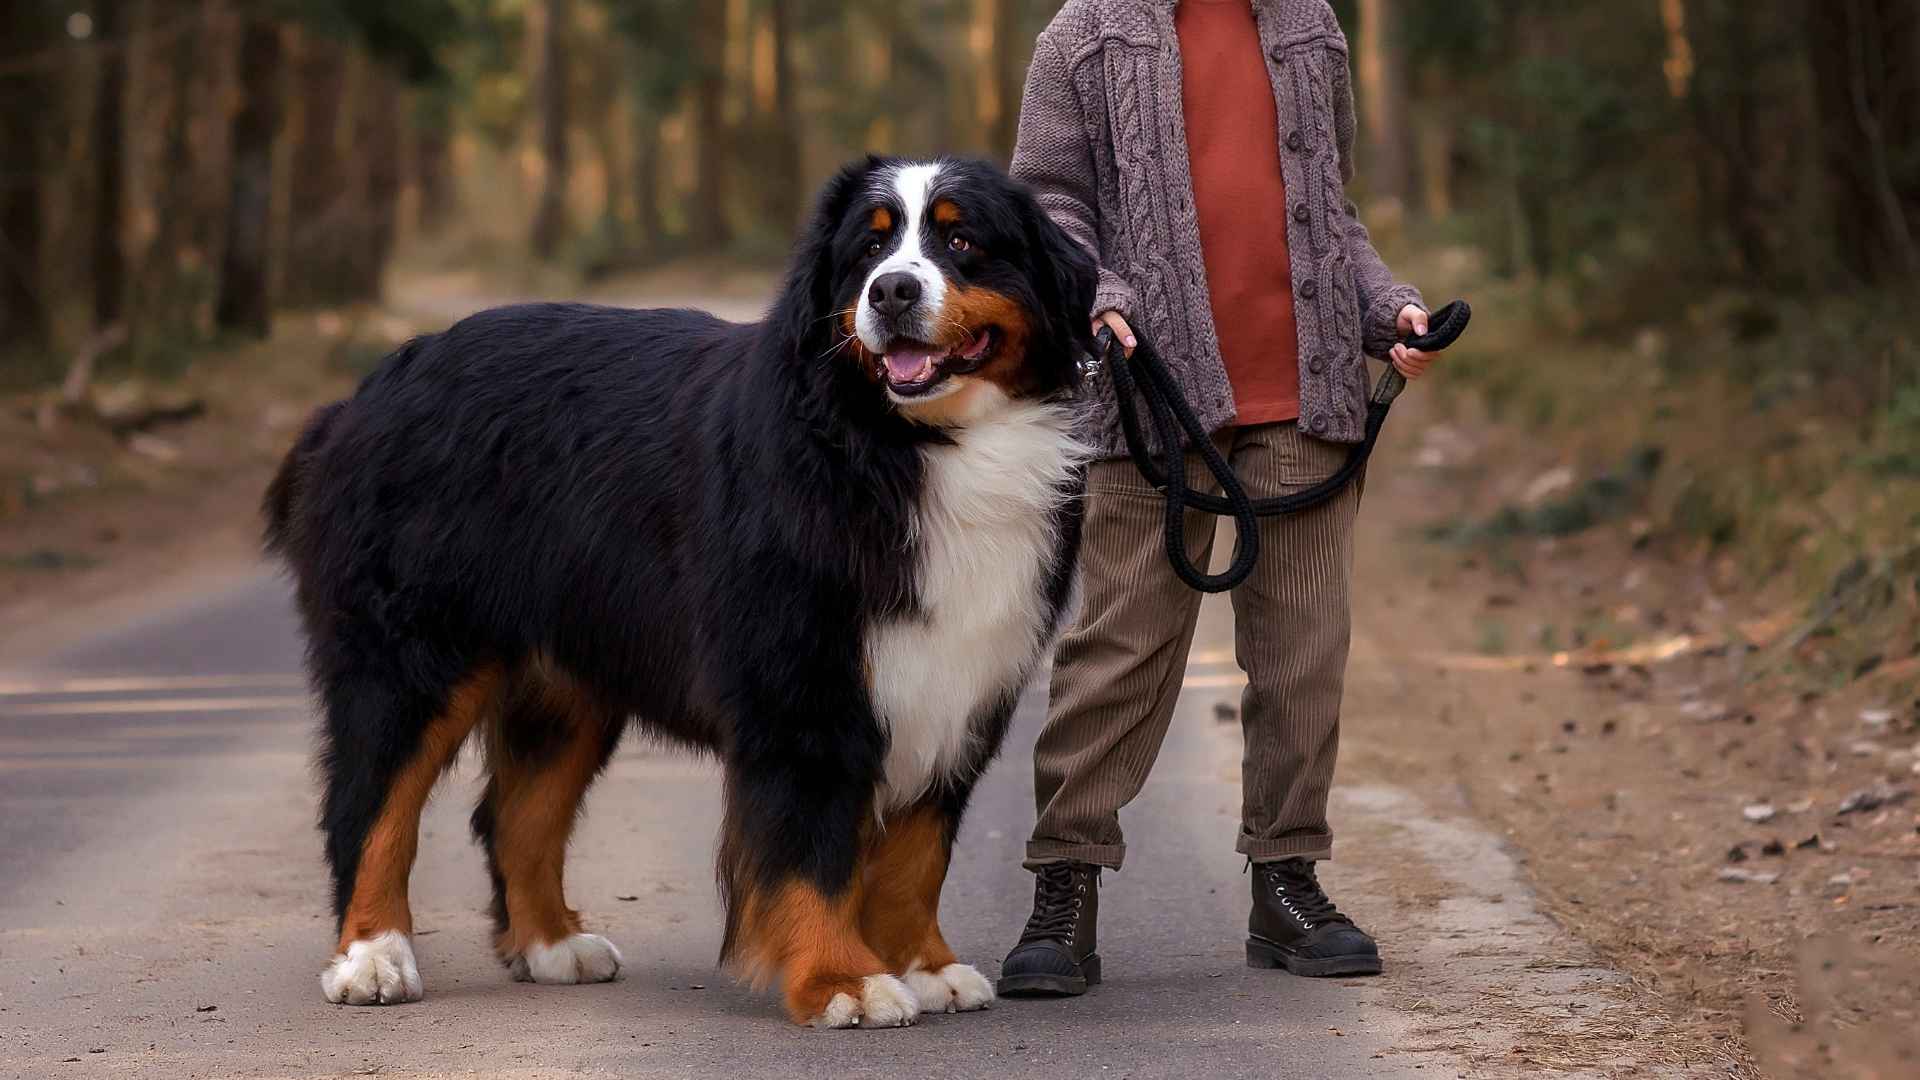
[1297,886]
[1057,897]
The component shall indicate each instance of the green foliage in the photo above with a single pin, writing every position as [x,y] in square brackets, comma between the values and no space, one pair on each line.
[408,33]
[1898,454]
[1605,497]
[48,560]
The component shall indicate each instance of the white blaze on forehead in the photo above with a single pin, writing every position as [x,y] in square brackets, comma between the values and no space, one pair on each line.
[911,186]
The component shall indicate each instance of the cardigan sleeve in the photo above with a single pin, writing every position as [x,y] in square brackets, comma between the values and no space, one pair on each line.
[1053,156]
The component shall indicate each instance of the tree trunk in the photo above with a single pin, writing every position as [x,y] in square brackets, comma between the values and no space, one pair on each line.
[320,241]
[1867,103]
[1435,143]
[550,220]
[710,229]
[174,224]
[31,92]
[996,89]
[648,228]
[380,134]
[784,195]
[109,168]
[1383,99]
[433,171]
[246,295]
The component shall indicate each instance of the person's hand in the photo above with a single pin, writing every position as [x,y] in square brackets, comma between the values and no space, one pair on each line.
[1412,363]
[1113,321]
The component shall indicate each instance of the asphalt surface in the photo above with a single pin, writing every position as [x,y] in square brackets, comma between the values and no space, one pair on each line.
[163,907]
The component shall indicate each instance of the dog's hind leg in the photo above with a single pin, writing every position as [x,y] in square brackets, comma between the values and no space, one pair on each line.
[902,873]
[384,751]
[550,743]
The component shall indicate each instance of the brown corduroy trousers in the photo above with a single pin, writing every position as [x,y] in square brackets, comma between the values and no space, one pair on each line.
[1118,671]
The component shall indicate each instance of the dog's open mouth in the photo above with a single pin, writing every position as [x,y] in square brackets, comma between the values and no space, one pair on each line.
[914,369]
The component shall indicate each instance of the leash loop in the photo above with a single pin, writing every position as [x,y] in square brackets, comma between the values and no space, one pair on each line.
[1172,416]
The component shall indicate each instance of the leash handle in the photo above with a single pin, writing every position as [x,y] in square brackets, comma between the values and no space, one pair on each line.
[1444,327]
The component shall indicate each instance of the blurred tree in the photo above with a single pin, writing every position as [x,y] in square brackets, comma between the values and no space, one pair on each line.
[29,31]
[111,26]
[550,220]
[659,45]
[711,230]
[323,199]
[245,302]
[998,75]
[1865,57]
[1383,91]
[783,198]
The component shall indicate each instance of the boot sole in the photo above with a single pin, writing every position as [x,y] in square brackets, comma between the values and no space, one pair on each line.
[1265,955]
[1049,985]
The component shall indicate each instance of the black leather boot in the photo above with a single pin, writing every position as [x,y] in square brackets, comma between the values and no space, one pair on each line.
[1055,956]
[1294,926]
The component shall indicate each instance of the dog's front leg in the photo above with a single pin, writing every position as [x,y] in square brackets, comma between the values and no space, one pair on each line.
[901,877]
[790,853]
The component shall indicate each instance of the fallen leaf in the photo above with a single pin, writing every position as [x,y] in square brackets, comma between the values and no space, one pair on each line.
[1873,798]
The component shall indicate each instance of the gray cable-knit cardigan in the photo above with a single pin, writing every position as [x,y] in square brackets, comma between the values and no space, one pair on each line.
[1103,142]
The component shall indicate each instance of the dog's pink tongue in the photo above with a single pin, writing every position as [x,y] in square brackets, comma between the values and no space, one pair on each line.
[911,365]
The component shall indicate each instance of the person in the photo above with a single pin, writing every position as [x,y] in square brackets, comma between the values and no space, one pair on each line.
[1201,150]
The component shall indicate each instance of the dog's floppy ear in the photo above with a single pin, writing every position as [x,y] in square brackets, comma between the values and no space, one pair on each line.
[1065,276]
[801,316]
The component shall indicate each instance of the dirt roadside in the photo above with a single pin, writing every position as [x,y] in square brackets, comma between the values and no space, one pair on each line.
[1746,849]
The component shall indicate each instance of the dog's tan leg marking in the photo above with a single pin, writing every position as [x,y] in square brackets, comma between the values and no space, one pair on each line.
[379,901]
[812,943]
[535,805]
[374,962]
[902,875]
[900,903]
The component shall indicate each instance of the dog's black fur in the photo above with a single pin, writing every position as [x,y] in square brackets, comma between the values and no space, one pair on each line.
[693,519]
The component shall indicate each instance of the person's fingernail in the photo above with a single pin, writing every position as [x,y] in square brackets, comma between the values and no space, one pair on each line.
[1131,342]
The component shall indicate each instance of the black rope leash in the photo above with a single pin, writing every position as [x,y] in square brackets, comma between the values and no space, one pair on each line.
[1171,415]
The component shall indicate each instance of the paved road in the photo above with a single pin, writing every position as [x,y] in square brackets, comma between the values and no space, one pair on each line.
[163,910]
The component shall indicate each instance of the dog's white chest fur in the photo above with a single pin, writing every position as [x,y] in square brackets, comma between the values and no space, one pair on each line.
[987,536]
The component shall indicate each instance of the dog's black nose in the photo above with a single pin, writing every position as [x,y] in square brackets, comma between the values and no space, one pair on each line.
[892,294]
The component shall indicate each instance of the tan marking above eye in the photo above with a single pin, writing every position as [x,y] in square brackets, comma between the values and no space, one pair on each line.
[945,212]
[882,219]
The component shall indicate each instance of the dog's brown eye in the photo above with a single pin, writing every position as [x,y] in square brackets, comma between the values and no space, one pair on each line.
[873,250]
[960,244]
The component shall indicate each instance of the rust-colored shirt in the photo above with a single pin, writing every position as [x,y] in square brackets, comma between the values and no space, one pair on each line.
[1240,197]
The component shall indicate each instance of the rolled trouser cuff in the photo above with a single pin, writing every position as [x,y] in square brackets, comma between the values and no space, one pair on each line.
[1312,848]
[1042,852]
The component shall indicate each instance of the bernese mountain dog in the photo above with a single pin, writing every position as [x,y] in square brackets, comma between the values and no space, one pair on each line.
[829,548]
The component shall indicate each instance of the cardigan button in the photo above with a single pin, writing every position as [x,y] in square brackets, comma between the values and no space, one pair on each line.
[1310,289]
[1319,425]
[1302,213]
[1318,365]
[1279,54]
[1296,142]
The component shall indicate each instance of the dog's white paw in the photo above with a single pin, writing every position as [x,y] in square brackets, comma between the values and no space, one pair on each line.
[577,958]
[954,988]
[378,971]
[884,1002]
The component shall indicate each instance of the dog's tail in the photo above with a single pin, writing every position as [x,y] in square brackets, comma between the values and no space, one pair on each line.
[279,504]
